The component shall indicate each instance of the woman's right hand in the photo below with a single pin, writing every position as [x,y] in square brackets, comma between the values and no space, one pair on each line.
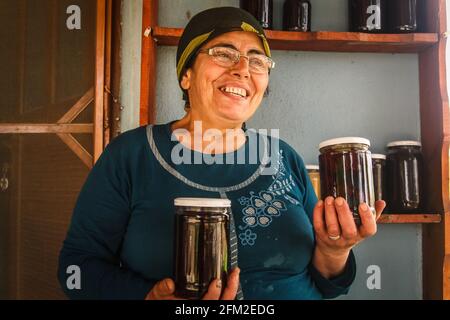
[165,289]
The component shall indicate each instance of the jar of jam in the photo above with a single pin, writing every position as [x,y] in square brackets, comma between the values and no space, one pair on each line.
[402,16]
[297,15]
[201,244]
[368,16]
[404,168]
[346,171]
[262,10]
[314,176]
[379,175]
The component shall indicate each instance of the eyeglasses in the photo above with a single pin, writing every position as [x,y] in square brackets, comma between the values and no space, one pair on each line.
[228,57]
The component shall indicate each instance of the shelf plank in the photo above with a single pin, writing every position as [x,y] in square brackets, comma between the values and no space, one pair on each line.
[327,41]
[409,218]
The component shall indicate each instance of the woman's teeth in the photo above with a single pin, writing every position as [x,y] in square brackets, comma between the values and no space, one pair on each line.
[236,91]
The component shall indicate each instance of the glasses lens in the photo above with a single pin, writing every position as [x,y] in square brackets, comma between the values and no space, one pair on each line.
[225,56]
[259,63]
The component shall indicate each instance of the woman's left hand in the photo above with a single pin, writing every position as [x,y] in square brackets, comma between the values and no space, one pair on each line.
[335,228]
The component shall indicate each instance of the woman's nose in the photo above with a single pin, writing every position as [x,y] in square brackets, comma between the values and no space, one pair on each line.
[241,68]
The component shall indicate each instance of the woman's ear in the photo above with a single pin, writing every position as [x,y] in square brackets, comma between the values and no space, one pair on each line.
[186,80]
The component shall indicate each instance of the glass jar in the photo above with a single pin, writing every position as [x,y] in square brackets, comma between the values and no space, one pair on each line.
[201,244]
[379,175]
[404,168]
[262,10]
[314,176]
[368,16]
[402,16]
[346,171]
[297,15]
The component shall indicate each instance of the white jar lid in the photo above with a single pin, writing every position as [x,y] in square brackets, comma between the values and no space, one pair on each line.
[312,167]
[404,143]
[344,140]
[378,156]
[202,202]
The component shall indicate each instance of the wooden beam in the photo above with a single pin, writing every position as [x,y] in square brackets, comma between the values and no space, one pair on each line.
[434,128]
[78,107]
[409,218]
[46,128]
[77,148]
[106,93]
[148,63]
[99,78]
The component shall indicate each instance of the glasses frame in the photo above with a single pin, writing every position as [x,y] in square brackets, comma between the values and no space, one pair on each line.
[269,62]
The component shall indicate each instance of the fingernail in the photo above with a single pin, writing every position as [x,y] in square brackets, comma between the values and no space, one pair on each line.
[329,201]
[364,207]
[320,203]
[339,201]
[219,283]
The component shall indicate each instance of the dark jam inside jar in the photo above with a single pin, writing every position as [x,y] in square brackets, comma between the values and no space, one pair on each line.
[200,249]
[404,168]
[379,176]
[368,16]
[346,171]
[402,15]
[262,10]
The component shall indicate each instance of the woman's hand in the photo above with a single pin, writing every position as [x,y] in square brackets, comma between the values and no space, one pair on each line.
[165,289]
[337,233]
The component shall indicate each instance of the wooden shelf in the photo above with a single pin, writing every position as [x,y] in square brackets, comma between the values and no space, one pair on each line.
[409,218]
[327,41]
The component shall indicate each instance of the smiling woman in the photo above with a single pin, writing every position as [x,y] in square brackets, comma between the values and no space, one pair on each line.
[286,243]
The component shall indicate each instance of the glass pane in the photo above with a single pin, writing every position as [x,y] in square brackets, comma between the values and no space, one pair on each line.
[49,66]
[44,179]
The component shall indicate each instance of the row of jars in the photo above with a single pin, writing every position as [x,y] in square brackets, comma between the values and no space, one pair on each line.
[348,169]
[373,16]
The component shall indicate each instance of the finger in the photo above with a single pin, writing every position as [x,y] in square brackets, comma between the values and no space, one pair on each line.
[230,291]
[368,224]
[331,218]
[345,216]
[214,290]
[163,289]
[380,205]
[319,221]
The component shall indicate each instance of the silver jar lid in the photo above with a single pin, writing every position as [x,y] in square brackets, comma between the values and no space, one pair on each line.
[202,202]
[312,167]
[404,143]
[378,156]
[344,140]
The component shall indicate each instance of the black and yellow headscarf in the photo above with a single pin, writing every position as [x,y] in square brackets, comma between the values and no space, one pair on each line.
[209,24]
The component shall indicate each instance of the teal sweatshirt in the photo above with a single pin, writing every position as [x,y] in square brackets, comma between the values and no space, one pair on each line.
[122,229]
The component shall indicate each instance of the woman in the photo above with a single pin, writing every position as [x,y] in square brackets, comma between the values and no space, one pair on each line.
[290,245]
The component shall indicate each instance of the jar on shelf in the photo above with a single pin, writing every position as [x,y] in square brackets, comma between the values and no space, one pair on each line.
[297,15]
[346,171]
[314,176]
[404,168]
[379,175]
[368,16]
[262,10]
[402,15]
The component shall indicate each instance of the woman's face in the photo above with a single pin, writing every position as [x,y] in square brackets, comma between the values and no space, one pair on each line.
[207,83]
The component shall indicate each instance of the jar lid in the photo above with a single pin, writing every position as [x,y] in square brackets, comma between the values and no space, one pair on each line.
[378,156]
[312,167]
[404,143]
[202,202]
[344,140]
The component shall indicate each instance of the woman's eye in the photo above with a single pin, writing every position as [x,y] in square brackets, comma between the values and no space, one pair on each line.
[256,62]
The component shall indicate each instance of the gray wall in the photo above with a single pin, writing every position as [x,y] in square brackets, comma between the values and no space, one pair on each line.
[316,96]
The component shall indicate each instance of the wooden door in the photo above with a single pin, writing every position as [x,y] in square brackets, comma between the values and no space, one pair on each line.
[51,132]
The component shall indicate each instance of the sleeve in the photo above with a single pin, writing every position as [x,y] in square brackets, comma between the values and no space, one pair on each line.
[330,288]
[95,236]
